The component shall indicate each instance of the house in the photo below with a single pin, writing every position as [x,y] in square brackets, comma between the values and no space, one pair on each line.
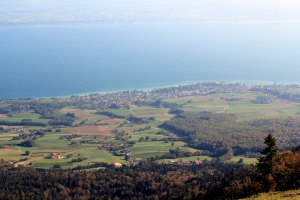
[117,164]
[125,152]
[135,161]
[197,162]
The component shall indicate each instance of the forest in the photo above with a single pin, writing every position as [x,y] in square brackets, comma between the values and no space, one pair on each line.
[221,132]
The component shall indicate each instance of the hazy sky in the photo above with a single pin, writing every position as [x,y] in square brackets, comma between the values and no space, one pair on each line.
[131,11]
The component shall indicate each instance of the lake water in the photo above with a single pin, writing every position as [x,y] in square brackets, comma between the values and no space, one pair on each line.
[46,61]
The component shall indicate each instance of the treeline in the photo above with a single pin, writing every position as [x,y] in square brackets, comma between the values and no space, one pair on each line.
[178,153]
[279,94]
[22,123]
[157,104]
[62,121]
[137,120]
[110,114]
[263,99]
[221,134]
[275,171]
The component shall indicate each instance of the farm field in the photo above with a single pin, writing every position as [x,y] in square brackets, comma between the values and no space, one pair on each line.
[102,128]
[17,117]
[82,115]
[246,160]
[160,114]
[92,155]
[244,109]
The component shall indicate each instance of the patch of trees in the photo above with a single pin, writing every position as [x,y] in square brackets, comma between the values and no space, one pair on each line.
[5,110]
[89,142]
[263,100]
[69,137]
[110,114]
[137,120]
[231,99]
[78,159]
[62,120]
[178,153]
[279,94]
[27,143]
[221,134]
[175,111]
[72,115]
[22,123]
[31,136]
[157,104]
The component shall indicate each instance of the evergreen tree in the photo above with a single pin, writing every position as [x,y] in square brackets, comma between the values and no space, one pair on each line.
[265,160]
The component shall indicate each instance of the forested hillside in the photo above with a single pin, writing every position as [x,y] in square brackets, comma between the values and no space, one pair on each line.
[145,181]
[221,132]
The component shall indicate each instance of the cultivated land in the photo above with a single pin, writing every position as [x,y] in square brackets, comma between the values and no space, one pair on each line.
[244,108]
[95,128]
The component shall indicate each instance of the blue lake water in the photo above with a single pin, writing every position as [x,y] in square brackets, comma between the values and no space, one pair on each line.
[45,61]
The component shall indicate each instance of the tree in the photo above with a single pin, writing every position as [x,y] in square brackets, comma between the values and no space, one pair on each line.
[172,143]
[27,153]
[126,157]
[265,160]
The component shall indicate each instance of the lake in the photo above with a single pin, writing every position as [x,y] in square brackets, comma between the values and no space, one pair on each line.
[47,61]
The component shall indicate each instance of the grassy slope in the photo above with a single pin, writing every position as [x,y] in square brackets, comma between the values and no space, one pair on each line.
[285,195]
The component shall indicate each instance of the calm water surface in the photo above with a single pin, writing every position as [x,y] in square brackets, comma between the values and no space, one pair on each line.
[45,61]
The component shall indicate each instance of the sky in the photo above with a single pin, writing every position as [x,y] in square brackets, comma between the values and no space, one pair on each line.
[22,12]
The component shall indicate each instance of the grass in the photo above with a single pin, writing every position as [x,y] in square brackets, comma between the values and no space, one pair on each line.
[160,114]
[244,109]
[92,155]
[151,134]
[247,160]
[17,117]
[154,146]
[192,158]
[285,195]
[147,155]
[11,155]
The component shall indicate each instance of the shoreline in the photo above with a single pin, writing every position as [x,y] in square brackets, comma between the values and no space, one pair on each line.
[246,81]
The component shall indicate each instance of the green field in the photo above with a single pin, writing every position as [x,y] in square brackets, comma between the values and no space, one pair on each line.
[160,114]
[235,159]
[155,146]
[243,108]
[192,158]
[17,117]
